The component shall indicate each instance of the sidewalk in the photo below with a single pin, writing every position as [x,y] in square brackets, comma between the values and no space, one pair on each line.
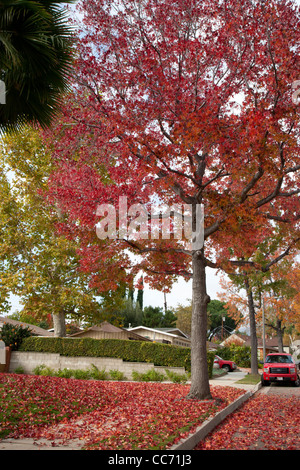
[30,444]
[231,380]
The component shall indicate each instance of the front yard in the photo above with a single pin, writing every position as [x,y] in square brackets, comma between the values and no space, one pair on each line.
[103,414]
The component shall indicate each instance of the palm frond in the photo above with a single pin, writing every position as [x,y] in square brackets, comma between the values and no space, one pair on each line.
[35,60]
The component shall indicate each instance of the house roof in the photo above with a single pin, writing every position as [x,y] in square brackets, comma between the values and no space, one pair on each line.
[108,328]
[212,345]
[35,329]
[167,331]
[104,326]
[269,342]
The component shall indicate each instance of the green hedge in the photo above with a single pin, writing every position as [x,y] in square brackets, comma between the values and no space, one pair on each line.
[241,355]
[130,351]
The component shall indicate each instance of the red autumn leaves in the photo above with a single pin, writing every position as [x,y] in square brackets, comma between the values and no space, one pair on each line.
[103,415]
[127,415]
[264,422]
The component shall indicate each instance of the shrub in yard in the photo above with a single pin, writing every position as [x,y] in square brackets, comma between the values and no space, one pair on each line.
[241,355]
[117,375]
[150,376]
[176,378]
[81,374]
[97,374]
[43,370]
[64,373]
[13,335]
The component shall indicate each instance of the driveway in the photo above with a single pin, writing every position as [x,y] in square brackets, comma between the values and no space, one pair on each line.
[281,390]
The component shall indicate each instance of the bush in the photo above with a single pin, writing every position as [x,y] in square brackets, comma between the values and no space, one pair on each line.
[130,351]
[13,335]
[81,374]
[43,370]
[241,355]
[176,378]
[97,374]
[64,373]
[150,376]
[117,375]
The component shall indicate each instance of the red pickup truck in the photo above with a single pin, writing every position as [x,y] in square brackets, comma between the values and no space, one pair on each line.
[224,364]
[280,367]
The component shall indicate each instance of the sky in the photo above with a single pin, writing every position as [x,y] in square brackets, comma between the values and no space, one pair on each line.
[182,291]
[180,294]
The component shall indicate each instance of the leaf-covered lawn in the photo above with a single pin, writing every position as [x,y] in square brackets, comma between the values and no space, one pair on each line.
[265,422]
[103,414]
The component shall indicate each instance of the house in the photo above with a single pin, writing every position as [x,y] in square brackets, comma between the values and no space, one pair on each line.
[212,346]
[172,336]
[237,339]
[106,330]
[271,344]
[295,350]
[36,330]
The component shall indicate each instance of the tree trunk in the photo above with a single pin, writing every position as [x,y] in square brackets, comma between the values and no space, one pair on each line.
[199,368]
[59,324]
[253,335]
[280,332]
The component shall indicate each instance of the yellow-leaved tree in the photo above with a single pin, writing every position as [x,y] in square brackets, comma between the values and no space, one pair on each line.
[37,263]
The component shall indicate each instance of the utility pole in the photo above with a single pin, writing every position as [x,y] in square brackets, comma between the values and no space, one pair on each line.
[263,328]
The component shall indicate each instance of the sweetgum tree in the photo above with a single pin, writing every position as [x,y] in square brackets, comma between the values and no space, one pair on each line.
[183,102]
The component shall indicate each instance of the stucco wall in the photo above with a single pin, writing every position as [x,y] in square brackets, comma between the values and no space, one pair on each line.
[29,360]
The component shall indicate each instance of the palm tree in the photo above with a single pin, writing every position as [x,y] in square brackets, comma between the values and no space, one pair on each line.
[35,60]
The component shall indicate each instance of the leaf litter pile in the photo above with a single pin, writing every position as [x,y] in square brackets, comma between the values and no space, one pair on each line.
[103,414]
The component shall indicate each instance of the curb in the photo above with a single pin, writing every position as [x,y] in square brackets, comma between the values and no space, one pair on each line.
[190,442]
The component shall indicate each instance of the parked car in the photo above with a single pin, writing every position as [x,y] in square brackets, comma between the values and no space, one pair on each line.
[224,364]
[280,367]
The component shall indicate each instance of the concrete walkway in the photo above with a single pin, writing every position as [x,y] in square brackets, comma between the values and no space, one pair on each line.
[231,380]
[31,444]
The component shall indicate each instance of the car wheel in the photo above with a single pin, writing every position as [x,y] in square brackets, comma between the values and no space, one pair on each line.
[264,382]
[297,382]
[227,368]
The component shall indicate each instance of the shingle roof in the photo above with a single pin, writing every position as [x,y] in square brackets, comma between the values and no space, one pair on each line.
[35,329]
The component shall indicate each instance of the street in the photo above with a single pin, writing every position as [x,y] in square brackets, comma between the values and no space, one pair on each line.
[281,389]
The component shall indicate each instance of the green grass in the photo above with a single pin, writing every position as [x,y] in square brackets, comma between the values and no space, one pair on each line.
[251,379]
[217,372]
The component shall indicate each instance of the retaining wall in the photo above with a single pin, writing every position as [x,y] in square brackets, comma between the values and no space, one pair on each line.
[29,360]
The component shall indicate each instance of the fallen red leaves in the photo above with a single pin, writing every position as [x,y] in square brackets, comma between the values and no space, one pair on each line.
[103,414]
[264,422]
